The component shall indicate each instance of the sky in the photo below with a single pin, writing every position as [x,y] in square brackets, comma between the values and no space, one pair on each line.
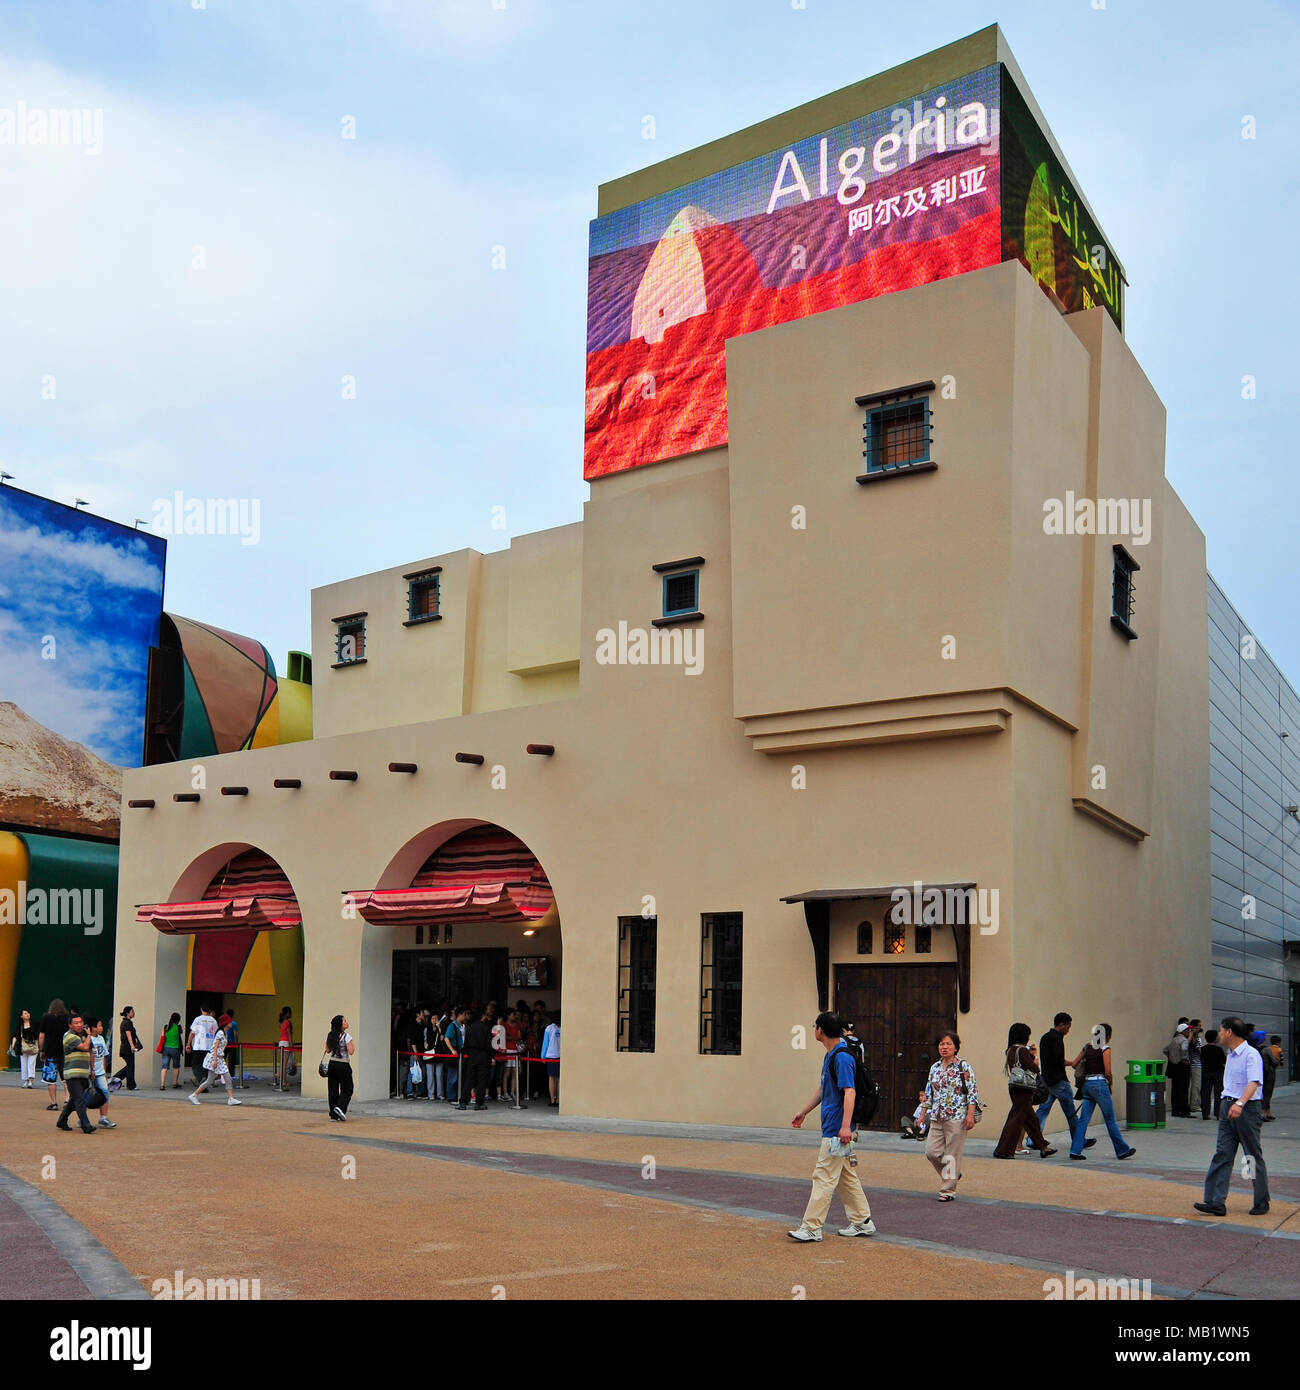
[80,600]
[193,286]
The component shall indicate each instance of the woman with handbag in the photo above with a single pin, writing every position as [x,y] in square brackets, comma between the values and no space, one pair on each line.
[336,1067]
[1024,1082]
[1093,1065]
[25,1044]
[950,1106]
[128,1045]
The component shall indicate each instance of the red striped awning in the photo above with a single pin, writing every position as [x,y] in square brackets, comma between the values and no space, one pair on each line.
[222,914]
[481,875]
[249,893]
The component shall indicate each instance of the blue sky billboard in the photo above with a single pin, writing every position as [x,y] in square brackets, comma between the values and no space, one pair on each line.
[80,607]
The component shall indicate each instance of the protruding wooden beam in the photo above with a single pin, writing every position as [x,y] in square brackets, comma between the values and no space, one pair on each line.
[185,796]
[293,783]
[542,750]
[475,758]
[140,805]
[403,767]
[234,791]
[337,776]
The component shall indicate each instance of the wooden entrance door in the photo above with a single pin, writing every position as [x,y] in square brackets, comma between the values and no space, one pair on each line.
[897,1011]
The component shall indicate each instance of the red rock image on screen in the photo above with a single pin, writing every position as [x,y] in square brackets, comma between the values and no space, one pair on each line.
[660,313]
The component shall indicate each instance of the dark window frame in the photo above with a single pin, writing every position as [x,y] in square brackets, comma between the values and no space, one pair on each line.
[888,408]
[353,622]
[638,958]
[423,581]
[1122,591]
[674,578]
[866,938]
[721,1000]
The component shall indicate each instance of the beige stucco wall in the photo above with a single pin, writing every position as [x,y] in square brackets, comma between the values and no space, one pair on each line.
[507,636]
[728,790]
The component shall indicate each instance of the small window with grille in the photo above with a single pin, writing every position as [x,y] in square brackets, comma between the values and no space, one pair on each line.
[1121,593]
[897,435]
[681,593]
[864,938]
[423,596]
[895,938]
[921,940]
[350,640]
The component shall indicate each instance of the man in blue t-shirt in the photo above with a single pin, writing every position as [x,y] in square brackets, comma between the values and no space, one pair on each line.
[834,1171]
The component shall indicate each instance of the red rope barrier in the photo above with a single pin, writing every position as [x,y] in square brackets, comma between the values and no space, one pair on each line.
[496,1056]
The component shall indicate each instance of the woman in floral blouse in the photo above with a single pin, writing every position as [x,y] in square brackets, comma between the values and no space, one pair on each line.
[951,1106]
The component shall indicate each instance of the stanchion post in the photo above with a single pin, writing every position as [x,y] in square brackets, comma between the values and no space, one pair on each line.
[460,1076]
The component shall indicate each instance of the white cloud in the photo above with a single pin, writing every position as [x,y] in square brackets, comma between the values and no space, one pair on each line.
[77,557]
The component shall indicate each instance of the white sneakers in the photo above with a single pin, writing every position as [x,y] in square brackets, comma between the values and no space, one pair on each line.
[194,1100]
[805,1235]
[338,1114]
[230,1100]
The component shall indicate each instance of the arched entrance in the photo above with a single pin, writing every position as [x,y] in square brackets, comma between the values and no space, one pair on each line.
[473,920]
[231,935]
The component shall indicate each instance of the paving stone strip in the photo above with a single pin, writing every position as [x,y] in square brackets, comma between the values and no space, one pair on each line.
[1231,1259]
[61,1259]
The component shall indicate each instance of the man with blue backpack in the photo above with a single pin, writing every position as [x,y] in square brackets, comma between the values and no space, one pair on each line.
[847,1099]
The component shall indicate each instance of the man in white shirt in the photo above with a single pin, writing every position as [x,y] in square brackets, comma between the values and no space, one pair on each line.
[1239,1121]
[202,1032]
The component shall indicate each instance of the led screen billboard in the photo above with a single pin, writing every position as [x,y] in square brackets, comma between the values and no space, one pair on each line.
[897,198]
[80,606]
[954,179]
[1045,225]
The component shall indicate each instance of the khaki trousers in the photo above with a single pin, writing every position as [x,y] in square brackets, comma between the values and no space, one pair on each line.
[943,1146]
[832,1174]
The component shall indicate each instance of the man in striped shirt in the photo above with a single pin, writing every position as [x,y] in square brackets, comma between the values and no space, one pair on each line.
[76,1074]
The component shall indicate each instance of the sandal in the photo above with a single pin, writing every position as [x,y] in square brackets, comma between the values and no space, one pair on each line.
[947,1197]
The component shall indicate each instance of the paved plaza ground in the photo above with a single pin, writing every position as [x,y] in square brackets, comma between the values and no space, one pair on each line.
[415,1200]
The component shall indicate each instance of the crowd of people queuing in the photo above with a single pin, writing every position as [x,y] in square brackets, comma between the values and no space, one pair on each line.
[469,1055]
[466,1056]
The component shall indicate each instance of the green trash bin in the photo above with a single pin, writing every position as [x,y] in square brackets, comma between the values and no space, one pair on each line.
[1146,1094]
